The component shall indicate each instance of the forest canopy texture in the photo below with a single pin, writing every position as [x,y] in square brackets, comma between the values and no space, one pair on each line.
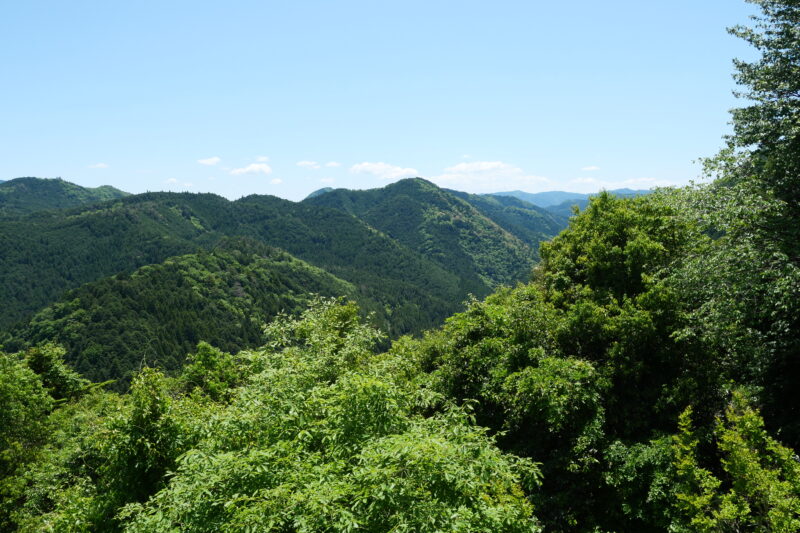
[643,380]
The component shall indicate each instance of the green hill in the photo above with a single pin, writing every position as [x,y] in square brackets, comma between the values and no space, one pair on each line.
[453,229]
[529,223]
[27,195]
[157,314]
[50,252]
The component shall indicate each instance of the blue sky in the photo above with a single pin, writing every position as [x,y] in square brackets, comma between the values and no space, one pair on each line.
[283,98]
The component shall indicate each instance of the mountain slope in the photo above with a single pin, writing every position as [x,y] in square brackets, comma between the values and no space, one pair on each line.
[49,252]
[157,314]
[27,195]
[529,223]
[442,226]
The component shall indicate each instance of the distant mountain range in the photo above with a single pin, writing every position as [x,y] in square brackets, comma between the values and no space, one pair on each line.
[74,263]
[555,198]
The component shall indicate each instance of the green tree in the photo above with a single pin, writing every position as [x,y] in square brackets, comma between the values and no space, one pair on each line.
[769,127]
[759,485]
[24,406]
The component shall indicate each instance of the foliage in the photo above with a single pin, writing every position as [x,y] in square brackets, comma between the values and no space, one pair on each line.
[612,369]
[310,435]
[487,241]
[47,253]
[769,127]
[159,313]
[26,195]
[25,406]
[762,478]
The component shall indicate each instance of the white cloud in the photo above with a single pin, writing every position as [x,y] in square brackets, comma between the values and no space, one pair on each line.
[175,182]
[333,164]
[308,164]
[252,168]
[262,159]
[211,161]
[590,168]
[276,181]
[327,180]
[98,165]
[488,176]
[384,171]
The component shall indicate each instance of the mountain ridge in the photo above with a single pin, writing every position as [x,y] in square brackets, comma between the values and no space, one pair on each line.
[26,195]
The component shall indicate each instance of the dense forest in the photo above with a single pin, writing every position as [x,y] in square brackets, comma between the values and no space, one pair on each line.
[116,325]
[643,379]
[408,284]
[27,195]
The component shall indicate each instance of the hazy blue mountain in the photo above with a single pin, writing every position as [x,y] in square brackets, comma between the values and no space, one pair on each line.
[555,198]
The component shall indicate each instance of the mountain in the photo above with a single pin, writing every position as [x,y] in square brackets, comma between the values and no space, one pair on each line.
[412,251]
[454,229]
[49,252]
[27,195]
[558,198]
[319,192]
[526,221]
[158,313]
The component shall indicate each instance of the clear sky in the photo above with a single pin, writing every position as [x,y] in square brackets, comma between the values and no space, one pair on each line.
[241,97]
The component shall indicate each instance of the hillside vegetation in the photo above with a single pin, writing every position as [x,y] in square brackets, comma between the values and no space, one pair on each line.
[156,315]
[413,280]
[26,195]
[643,380]
[461,232]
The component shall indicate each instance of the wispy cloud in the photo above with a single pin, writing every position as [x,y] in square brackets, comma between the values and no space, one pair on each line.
[488,176]
[276,181]
[175,182]
[252,168]
[308,164]
[209,162]
[98,165]
[333,164]
[262,159]
[384,171]
[590,168]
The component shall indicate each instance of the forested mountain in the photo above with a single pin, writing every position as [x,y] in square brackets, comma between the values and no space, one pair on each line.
[434,248]
[49,252]
[158,314]
[319,192]
[529,223]
[455,230]
[26,195]
[645,379]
